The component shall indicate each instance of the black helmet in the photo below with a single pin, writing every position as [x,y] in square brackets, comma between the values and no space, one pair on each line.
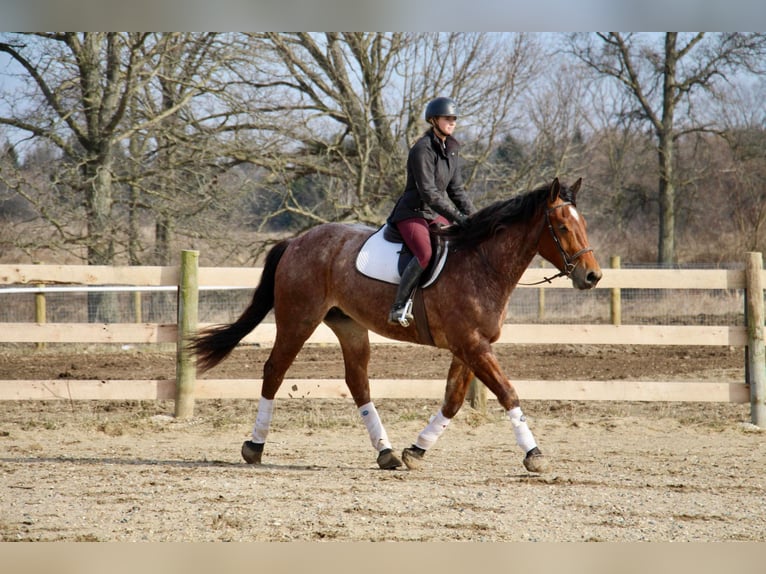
[441,107]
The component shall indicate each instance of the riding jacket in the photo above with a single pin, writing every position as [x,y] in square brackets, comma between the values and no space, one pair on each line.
[434,182]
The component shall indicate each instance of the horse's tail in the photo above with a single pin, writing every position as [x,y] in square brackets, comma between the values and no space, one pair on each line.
[213,345]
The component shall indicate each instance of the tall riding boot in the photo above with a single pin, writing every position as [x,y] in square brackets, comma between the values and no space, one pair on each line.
[401,310]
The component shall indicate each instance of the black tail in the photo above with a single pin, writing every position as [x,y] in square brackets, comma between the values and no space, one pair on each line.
[213,345]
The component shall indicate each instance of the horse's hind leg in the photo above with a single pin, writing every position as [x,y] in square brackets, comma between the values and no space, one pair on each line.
[355,345]
[458,381]
[289,341]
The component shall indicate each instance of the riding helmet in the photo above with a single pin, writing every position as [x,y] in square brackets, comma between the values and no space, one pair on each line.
[441,107]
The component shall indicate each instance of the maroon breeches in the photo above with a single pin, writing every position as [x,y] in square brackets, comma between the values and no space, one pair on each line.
[414,231]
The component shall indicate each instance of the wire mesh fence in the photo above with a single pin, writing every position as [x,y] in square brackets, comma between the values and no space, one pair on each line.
[544,306]
[638,307]
[146,305]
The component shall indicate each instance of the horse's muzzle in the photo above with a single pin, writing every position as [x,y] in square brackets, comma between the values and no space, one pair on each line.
[584,278]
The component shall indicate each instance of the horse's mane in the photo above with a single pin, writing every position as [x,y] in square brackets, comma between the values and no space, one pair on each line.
[488,221]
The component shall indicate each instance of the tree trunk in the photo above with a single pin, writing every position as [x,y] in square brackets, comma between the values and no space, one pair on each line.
[102,307]
[666,236]
[162,238]
[666,155]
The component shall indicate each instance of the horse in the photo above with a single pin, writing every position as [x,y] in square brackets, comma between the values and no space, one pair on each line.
[311,279]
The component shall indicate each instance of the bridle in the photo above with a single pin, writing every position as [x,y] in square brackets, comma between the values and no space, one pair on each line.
[570,262]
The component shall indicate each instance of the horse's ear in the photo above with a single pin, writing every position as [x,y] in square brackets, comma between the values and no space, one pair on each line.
[555,190]
[575,188]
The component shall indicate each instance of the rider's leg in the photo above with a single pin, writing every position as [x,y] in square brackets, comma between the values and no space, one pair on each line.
[416,236]
[410,277]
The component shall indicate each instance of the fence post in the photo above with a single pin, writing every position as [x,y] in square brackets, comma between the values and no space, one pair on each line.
[756,353]
[615,310]
[188,301]
[477,395]
[40,308]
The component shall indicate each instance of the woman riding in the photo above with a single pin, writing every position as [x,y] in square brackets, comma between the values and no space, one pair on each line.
[433,195]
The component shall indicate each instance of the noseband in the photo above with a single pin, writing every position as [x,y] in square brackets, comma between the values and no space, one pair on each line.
[570,262]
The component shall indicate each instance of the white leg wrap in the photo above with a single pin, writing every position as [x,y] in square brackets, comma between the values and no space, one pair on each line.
[263,420]
[378,436]
[433,431]
[524,436]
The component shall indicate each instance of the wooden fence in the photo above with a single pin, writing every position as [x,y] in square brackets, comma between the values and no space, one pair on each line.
[188,277]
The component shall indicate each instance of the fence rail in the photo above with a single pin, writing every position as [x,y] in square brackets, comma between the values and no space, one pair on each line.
[188,279]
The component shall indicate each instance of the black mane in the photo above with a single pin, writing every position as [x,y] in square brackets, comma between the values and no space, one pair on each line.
[486,222]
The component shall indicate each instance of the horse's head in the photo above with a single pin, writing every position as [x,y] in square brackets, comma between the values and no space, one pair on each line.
[565,244]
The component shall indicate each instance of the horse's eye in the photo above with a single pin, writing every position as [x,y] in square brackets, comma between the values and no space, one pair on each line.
[563,228]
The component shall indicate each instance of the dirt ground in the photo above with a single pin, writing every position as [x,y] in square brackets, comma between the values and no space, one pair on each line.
[128,471]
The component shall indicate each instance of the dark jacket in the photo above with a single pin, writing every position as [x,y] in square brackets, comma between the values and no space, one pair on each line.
[434,182]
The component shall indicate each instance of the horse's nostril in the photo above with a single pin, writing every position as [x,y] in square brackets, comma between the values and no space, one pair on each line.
[594,277]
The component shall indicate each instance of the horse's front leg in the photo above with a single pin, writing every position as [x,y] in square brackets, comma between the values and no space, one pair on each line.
[487,369]
[458,380]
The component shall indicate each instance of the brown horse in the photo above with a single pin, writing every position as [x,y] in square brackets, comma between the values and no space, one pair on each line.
[312,279]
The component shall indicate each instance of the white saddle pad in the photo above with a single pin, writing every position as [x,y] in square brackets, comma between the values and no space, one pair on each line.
[379,259]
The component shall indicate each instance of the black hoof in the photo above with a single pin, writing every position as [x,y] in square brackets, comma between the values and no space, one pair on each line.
[535,461]
[387,460]
[252,452]
[413,457]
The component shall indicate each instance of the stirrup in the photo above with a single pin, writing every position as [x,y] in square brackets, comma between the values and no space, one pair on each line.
[402,315]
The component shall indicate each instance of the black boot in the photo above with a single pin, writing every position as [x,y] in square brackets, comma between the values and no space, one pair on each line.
[400,311]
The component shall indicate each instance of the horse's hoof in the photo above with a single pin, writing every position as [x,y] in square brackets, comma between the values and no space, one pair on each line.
[413,457]
[252,452]
[535,461]
[387,460]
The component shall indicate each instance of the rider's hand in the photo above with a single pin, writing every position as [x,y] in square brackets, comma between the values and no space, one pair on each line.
[461,220]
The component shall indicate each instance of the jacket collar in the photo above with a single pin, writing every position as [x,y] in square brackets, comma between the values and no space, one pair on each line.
[450,147]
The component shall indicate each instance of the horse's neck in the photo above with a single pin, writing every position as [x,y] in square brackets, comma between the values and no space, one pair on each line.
[512,250]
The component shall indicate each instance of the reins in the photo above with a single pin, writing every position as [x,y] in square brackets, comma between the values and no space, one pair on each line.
[570,263]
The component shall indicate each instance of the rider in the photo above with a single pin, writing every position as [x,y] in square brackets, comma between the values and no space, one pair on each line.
[433,195]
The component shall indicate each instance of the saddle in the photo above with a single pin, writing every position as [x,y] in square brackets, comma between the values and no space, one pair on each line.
[385,255]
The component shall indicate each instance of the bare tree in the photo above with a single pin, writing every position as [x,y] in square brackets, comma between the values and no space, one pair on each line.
[149,127]
[559,125]
[742,174]
[351,104]
[663,75]
[75,88]
[137,110]
[178,147]
[325,94]
[86,95]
